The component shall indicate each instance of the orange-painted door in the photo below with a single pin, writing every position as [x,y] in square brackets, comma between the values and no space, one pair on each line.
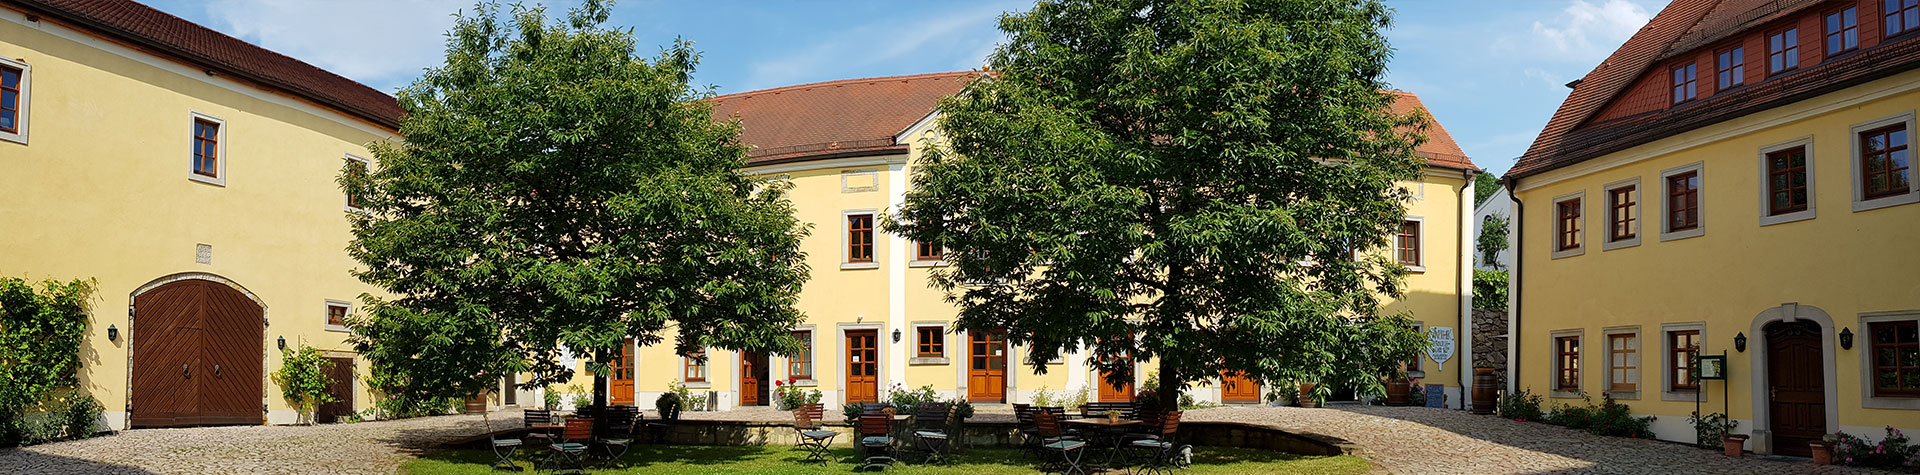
[1237,388]
[863,366]
[1112,393]
[987,366]
[620,386]
[753,379]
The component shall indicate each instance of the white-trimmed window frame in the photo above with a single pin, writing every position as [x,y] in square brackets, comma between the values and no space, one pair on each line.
[1766,192]
[1863,345]
[846,254]
[946,342]
[1699,203]
[328,308]
[22,117]
[1667,363]
[1559,253]
[346,200]
[1420,246]
[1638,360]
[813,356]
[1553,354]
[1639,204]
[220,149]
[1419,368]
[1860,203]
[706,369]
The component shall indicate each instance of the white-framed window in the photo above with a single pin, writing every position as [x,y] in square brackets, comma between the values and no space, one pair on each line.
[16,88]
[930,345]
[800,366]
[1889,348]
[858,229]
[1569,225]
[1409,245]
[694,366]
[1680,344]
[1786,182]
[356,164]
[1416,366]
[1623,204]
[1569,359]
[208,136]
[1883,163]
[337,313]
[1681,201]
[1623,362]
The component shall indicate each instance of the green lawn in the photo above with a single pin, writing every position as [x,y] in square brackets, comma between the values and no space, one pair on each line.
[711,459]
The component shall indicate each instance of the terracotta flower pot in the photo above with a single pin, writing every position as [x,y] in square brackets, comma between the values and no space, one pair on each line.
[1306,396]
[1734,444]
[1821,454]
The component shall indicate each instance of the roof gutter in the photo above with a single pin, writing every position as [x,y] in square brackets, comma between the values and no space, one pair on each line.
[212,66]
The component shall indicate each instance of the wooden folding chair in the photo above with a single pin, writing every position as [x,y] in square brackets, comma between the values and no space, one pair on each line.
[809,435]
[876,435]
[933,419]
[1053,440]
[571,446]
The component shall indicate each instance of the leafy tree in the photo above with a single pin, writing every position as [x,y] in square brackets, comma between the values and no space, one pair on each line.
[41,329]
[303,379]
[557,191]
[1484,185]
[1179,180]
[1492,240]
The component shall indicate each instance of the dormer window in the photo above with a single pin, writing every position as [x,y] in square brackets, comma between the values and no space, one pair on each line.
[1732,67]
[1902,16]
[1783,50]
[1685,83]
[1843,30]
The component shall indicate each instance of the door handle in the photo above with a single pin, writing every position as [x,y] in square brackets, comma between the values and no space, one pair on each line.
[216,370]
[183,371]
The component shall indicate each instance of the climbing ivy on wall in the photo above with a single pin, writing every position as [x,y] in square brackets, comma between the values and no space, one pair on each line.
[303,380]
[41,327]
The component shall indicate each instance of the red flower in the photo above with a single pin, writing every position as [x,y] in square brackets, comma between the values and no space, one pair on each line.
[779,383]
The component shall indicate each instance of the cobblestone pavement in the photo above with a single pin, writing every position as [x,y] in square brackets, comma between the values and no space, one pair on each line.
[367,447]
[1421,440]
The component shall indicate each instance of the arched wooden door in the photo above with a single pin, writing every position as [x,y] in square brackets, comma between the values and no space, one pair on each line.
[1237,388]
[1796,387]
[196,356]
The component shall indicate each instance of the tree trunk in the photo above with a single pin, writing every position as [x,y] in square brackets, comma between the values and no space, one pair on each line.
[600,397]
[1169,390]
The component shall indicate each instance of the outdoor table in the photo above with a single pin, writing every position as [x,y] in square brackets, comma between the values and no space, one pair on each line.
[895,424]
[1110,433]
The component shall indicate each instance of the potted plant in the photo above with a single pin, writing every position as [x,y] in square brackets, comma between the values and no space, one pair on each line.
[1733,444]
[1309,395]
[1113,416]
[1823,449]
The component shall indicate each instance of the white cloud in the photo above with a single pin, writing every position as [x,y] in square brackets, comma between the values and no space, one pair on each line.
[1582,32]
[1553,81]
[382,43]
[965,35]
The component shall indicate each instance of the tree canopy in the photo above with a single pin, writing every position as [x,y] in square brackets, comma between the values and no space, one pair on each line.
[1195,174]
[557,192]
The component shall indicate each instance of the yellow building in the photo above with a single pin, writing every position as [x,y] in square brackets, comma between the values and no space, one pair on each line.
[874,323]
[1734,180]
[192,174]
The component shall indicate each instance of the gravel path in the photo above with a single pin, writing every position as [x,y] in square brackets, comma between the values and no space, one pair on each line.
[1421,440]
[367,447]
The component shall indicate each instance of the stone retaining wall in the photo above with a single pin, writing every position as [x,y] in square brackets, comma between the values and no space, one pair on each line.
[1490,341]
[989,434]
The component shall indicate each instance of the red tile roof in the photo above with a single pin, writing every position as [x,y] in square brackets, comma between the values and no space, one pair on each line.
[854,117]
[1683,26]
[168,35]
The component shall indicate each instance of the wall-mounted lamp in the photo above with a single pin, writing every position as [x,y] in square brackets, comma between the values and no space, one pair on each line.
[113,333]
[1846,338]
[896,335]
[283,343]
[1740,342]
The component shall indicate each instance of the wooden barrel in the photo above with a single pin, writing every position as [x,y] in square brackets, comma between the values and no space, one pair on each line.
[477,405]
[1399,392]
[1486,388]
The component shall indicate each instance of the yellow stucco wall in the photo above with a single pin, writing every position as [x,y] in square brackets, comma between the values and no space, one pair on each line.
[1844,264]
[1433,295]
[101,191]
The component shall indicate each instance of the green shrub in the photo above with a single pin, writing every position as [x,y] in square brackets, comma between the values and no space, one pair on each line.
[1895,451]
[42,326]
[303,380]
[1490,289]
[82,416]
[550,398]
[579,396]
[1709,429]
[851,411]
[905,400]
[1522,406]
[669,404]
[1609,418]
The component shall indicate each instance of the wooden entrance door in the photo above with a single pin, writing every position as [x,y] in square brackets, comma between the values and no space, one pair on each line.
[197,356]
[1112,393]
[863,366]
[620,385]
[1237,388]
[340,386]
[987,366]
[753,379]
[1796,393]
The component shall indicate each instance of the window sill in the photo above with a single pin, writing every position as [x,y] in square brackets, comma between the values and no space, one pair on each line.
[1621,244]
[1416,374]
[1891,201]
[1628,395]
[927,264]
[1558,394]
[1416,269]
[922,361]
[358,211]
[1784,218]
[1678,235]
[859,265]
[1683,396]
[1892,402]
[698,385]
[1569,253]
[19,138]
[339,328]
[220,182]
[805,383]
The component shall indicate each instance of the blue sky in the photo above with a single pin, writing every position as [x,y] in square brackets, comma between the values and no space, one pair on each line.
[1492,71]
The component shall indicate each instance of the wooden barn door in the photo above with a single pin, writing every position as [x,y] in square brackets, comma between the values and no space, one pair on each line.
[1796,387]
[1237,388]
[620,386]
[987,366]
[341,388]
[196,356]
[863,365]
